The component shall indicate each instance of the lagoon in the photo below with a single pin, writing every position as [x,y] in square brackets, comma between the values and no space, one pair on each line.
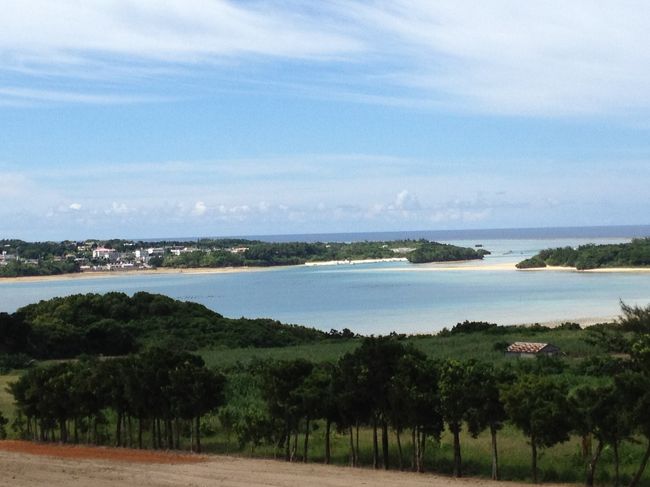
[382,297]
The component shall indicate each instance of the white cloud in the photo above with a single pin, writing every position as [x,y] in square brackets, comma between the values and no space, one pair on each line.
[75,206]
[118,209]
[199,208]
[503,57]
[72,32]
[406,201]
[508,56]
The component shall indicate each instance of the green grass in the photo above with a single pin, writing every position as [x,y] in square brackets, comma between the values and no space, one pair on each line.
[561,463]
[6,399]
[318,352]
[480,346]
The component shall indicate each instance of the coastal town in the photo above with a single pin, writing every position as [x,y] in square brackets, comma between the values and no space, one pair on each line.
[97,255]
[19,258]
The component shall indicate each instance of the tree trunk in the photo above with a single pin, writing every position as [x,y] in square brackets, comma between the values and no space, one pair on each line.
[375,444]
[306,447]
[400,455]
[591,466]
[328,450]
[534,457]
[495,454]
[644,462]
[421,449]
[414,453]
[353,462]
[130,430]
[287,445]
[64,431]
[617,464]
[118,430]
[197,433]
[170,434]
[586,446]
[140,433]
[158,434]
[457,458]
[356,454]
[76,430]
[177,430]
[294,448]
[384,445]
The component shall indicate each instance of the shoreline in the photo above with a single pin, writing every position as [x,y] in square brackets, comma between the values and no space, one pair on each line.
[466,265]
[132,273]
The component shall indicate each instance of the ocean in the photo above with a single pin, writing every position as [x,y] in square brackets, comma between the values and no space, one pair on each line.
[394,296]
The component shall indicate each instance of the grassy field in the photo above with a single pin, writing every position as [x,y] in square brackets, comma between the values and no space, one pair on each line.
[563,462]
[480,346]
[6,399]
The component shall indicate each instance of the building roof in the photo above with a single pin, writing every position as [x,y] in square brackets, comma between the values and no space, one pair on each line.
[526,347]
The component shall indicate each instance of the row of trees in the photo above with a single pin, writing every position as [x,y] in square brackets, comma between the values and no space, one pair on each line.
[393,389]
[633,254]
[385,385]
[164,392]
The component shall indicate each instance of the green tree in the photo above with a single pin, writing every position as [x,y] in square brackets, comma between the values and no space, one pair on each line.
[539,407]
[487,409]
[455,401]
[601,412]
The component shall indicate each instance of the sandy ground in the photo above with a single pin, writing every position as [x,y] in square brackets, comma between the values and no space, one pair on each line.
[432,267]
[26,469]
[131,273]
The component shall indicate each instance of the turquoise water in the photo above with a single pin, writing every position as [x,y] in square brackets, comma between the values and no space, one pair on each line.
[382,297]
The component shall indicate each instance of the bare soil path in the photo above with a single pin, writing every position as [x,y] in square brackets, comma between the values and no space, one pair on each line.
[25,464]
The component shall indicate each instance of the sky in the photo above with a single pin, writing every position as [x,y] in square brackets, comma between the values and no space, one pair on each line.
[186,118]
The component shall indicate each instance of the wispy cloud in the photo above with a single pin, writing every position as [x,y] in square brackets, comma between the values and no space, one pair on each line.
[42,95]
[501,57]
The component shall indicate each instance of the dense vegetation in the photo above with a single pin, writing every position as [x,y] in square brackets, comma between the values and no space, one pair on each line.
[50,258]
[389,401]
[294,253]
[633,254]
[437,252]
[386,402]
[117,324]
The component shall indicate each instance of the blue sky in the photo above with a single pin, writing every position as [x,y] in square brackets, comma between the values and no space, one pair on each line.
[125,118]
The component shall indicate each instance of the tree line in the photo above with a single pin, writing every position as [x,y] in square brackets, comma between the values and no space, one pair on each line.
[160,392]
[405,399]
[591,256]
[117,324]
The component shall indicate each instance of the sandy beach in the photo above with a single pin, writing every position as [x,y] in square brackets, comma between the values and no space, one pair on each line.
[133,273]
[472,265]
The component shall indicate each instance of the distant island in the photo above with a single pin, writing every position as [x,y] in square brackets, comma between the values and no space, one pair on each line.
[635,254]
[19,258]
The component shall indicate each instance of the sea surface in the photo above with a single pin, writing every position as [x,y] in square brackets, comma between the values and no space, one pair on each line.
[393,296]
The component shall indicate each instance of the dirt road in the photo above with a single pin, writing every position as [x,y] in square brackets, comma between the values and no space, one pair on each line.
[72,467]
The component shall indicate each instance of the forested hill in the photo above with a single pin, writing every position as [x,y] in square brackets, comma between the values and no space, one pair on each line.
[633,254]
[117,324]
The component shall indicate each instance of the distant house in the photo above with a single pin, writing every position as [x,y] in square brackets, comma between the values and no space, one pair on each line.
[531,349]
[103,253]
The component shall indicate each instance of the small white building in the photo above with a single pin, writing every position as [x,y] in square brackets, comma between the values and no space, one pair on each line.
[104,253]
